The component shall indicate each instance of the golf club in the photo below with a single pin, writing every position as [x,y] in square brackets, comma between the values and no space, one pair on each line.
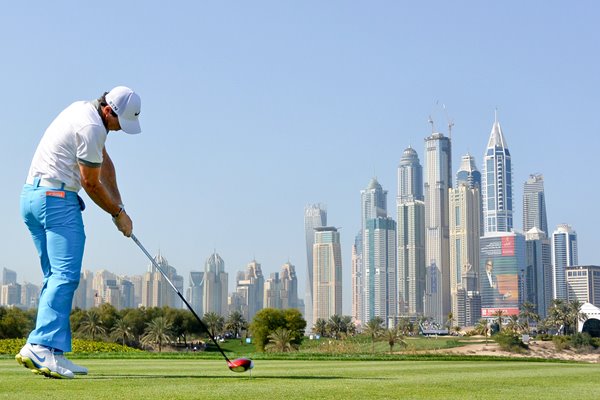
[237,365]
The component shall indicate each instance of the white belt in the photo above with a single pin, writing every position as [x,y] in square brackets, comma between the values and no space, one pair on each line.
[51,183]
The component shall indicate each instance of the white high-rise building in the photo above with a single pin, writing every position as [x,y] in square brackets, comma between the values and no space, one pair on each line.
[410,207]
[564,254]
[215,287]
[156,291]
[465,215]
[289,286]
[380,286]
[534,204]
[315,216]
[327,274]
[438,179]
[373,202]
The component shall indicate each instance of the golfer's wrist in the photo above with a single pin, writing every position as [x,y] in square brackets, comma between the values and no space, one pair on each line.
[118,213]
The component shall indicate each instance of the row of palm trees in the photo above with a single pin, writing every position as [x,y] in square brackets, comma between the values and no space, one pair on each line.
[164,326]
[563,317]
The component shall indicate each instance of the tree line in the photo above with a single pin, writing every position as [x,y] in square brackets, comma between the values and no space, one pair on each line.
[270,329]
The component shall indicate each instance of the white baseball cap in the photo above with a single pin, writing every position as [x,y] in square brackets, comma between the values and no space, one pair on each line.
[127,105]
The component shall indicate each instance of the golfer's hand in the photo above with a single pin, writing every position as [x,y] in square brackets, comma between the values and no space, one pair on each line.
[123,223]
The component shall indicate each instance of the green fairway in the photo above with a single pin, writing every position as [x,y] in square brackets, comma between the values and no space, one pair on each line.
[210,379]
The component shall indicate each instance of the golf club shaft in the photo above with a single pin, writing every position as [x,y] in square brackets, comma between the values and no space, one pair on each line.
[135,239]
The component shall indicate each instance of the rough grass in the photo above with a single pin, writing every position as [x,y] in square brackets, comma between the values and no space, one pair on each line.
[273,379]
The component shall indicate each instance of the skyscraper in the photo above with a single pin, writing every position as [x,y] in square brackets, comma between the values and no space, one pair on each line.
[8,276]
[215,286]
[465,216]
[534,204]
[272,291]
[357,281]
[539,270]
[469,175]
[411,235]
[583,284]
[438,179]
[564,254]
[315,216]
[194,293]
[327,273]
[289,286]
[380,287]
[156,291]
[378,259]
[497,184]
[501,258]
[250,290]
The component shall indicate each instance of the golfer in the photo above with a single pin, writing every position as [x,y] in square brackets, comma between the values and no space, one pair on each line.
[70,155]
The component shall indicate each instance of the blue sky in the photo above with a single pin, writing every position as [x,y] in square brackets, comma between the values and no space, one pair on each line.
[251,110]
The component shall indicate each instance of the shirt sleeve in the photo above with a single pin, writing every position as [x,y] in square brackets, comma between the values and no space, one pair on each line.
[90,142]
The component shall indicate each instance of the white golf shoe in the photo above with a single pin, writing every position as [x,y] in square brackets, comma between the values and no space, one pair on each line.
[42,360]
[70,365]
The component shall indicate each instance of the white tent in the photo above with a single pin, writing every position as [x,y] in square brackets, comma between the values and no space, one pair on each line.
[591,311]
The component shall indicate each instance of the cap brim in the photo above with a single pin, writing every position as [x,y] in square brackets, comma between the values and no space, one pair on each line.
[130,126]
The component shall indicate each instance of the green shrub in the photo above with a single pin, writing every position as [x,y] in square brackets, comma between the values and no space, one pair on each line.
[561,342]
[510,342]
[12,346]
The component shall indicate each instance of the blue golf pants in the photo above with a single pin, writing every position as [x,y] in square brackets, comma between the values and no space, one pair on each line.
[53,217]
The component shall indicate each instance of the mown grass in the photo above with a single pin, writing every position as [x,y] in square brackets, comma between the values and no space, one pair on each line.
[287,379]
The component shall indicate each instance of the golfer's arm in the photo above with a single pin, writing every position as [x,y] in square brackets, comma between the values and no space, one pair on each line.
[108,177]
[90,181]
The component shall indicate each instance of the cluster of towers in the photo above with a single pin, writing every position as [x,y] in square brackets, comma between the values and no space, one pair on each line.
[452,251]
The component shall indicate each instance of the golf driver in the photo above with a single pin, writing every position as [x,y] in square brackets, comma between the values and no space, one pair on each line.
[237,365]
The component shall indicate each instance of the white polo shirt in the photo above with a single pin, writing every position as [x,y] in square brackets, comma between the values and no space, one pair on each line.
[77,135]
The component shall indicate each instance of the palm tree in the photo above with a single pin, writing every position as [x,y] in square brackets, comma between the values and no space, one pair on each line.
[121,330]
[334,326]
[499,314]
[450,321]
[236,323]
[575,314]
[514,324]
[393,336]
[558,315]
[91,325]
[158,331]
[528,314]
[404,325]
[280,340]
[348,326]
[320,327]
[482,329]
[214,322]
[373,329]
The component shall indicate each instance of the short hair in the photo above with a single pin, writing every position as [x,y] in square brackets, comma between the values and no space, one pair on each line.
[102,100]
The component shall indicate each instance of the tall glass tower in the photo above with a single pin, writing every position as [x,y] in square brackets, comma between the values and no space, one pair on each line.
[564,254]
[468,173]
[411,235]
[438,179]
[534,204]
[315,216]
[378,253]
[497,184]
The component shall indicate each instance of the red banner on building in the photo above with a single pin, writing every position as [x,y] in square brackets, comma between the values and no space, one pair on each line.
[508,245]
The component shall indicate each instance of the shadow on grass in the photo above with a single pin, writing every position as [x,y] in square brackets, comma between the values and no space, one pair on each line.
[248,377]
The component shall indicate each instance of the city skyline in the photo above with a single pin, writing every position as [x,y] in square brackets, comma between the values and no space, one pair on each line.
[252,112]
